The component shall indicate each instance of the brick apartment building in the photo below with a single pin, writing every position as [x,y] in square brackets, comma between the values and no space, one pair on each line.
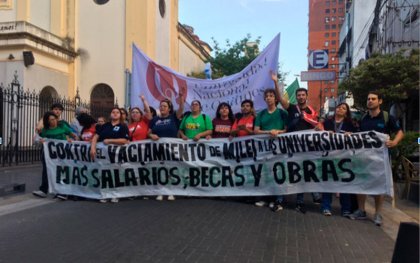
[325,20]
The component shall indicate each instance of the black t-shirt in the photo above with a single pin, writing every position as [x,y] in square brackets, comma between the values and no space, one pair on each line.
[378,124]
[339,127]
[295,121]
[109,131]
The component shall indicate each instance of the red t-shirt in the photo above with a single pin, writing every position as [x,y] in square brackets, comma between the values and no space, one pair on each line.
[138,130]
[247,121]
[88,134]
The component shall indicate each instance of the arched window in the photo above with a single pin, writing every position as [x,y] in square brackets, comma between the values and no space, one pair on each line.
[47,97]
[101,100]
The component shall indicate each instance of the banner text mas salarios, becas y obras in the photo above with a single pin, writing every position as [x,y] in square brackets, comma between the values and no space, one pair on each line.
[247,166]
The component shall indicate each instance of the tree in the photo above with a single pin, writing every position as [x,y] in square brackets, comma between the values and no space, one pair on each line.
[234,57]
[396,76]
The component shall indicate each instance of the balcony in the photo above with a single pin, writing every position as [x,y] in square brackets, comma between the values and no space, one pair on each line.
[20,33]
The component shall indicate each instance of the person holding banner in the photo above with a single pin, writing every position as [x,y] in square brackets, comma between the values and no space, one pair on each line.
[341,122]
[271,121]
[139,124]
[166,126]
[377,120]
[112,132]
[52,129]
[222,124]
[244,123]
[300,117]
[195,125]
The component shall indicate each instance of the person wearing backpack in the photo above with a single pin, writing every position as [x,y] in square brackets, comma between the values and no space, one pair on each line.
[377,120]
[301,116]
[195,125]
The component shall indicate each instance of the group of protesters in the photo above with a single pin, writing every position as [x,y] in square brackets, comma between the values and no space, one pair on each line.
[137,125]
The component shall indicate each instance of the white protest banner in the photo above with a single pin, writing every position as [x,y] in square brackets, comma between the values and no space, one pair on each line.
[157,82]
[246,166]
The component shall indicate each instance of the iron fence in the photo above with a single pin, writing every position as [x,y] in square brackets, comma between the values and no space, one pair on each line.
[21,111]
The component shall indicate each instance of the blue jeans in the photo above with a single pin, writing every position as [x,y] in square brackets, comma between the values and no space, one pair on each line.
[299,198]
[344,202]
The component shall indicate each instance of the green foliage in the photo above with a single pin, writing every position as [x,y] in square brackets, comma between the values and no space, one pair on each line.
[235,57]
[197,75]
[408,145]
[396,76]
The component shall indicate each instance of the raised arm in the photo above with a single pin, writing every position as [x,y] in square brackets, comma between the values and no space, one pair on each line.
[279,90]
[181,103]
[147,112]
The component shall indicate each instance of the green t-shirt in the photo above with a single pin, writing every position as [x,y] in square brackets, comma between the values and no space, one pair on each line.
[271,121]
[58,133]
[192,126]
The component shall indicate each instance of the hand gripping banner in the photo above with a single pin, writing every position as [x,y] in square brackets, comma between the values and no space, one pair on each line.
[157,82]
[246,166]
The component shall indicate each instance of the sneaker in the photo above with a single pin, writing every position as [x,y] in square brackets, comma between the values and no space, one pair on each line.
[103,201]
[171,198]
[327,212]
[159,198]
[317,201]
[271,205]
[377,219]
[277,207]
[260,203]
[39,193]
[301,208]
[358,215]
[346,214]
[62,197]
[114,200]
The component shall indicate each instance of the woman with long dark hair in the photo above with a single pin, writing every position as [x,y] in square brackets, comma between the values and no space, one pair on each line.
[222,124]
[341,122]
[52,129]
[88,124]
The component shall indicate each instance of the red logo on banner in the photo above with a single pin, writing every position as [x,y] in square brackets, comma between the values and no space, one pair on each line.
[163,84]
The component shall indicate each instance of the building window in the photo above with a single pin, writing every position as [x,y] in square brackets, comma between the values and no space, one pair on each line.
[340,10]
[333,50]
[333,58]
[101,2]
[327,11]
[333,19]
[332,90]
[334,10]
[326,90]
[162,8]
[333,42]
[327,3]
[333,34]
[332,66]
[327,19]
[327,27]
[326,34]
[334,26]
[326,43]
